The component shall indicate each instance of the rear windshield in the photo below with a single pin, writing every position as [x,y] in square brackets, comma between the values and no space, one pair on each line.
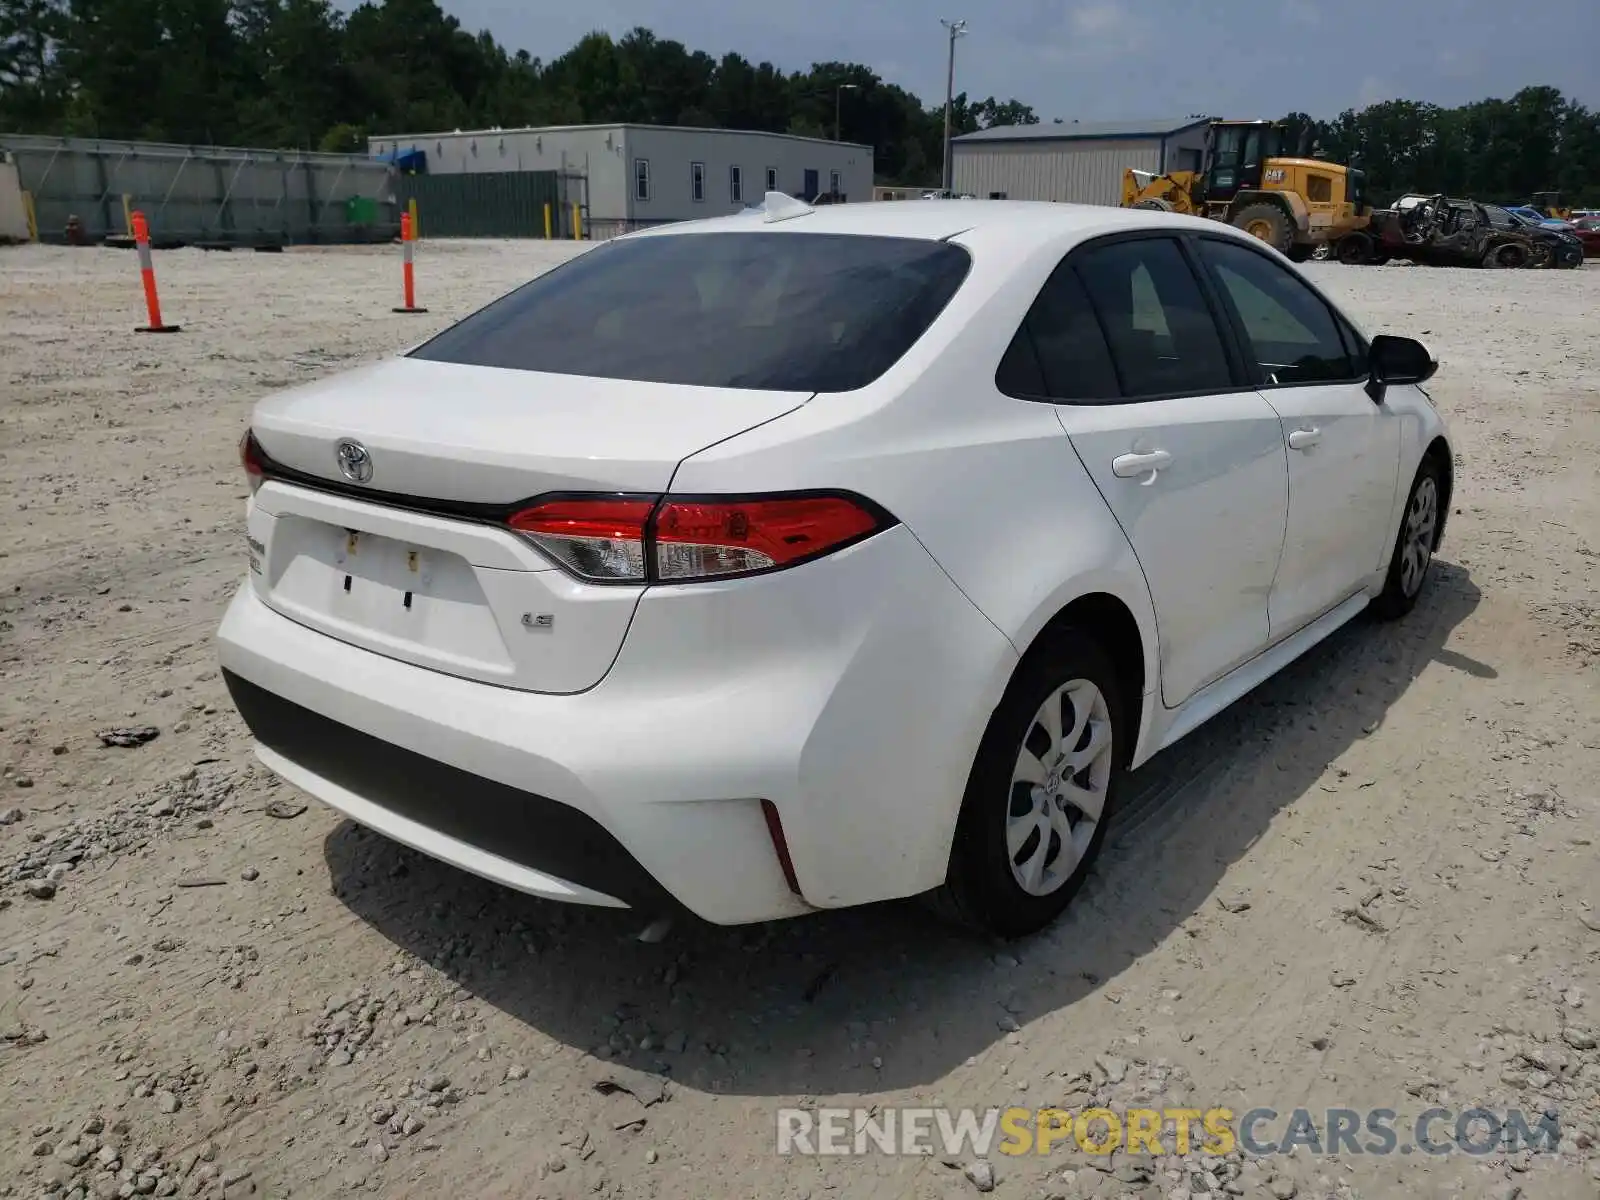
[774,311]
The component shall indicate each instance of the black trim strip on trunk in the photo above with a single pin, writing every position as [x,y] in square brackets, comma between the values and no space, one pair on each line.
[464,510]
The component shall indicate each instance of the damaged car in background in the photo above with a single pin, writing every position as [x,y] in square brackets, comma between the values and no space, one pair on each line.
[1441,231]
[1554,244]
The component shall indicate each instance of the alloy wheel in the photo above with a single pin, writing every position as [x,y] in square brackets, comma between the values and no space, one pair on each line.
[1059,787]
[1422,518]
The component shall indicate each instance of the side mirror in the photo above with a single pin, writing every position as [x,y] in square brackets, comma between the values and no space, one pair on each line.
[1397,360]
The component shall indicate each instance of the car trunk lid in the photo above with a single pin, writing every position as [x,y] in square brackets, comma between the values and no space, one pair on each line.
[408,555]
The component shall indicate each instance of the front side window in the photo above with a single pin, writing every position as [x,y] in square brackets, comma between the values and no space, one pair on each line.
[1162,336]
[801,312]
[697,181]
[1290,332]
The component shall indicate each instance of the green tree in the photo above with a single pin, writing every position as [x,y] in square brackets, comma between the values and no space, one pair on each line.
[33,91]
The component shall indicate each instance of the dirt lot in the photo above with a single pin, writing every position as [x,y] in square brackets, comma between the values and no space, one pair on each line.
[1373,884]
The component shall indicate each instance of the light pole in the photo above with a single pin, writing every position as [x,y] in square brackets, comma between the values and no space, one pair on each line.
[957,29]
[838,95]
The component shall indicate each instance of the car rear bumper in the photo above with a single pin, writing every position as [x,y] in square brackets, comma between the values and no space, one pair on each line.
[849,693]
[535,844]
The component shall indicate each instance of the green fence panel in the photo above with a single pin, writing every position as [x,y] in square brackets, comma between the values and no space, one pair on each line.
[207,195]
[361,210]
[499,204]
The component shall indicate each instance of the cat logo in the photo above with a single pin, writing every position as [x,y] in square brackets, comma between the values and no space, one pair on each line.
[1275,175]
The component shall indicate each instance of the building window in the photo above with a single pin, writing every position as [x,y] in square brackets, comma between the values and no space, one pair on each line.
[697,181]
[736,184]
[772,179]
[641,179]
[833,182]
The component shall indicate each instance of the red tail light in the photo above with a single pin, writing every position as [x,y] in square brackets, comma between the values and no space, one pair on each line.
[252,460]
[614,539]
[595,537]
[698,539]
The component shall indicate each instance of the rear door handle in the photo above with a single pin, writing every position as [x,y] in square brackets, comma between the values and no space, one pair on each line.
[1127,466]
[1304,439]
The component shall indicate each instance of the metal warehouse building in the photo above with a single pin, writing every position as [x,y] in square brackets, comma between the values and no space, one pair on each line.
[1081,163]
[639,174]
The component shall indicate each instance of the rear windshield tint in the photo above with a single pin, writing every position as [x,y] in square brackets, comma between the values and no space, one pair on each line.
[774,311]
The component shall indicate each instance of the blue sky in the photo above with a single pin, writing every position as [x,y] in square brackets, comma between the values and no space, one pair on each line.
[1123,59]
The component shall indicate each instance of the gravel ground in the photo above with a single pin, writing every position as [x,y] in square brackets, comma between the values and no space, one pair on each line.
[1372,884]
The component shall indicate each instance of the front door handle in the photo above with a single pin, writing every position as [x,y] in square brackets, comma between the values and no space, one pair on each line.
[1304,439]
[1127,466]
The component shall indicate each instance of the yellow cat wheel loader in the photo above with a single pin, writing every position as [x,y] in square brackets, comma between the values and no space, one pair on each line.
[1292,203]
[1549,203]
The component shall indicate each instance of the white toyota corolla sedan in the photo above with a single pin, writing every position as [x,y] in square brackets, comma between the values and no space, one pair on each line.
[810,557]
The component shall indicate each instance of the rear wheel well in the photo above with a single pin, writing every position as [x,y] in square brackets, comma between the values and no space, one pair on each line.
[1438,452]
[1106,619]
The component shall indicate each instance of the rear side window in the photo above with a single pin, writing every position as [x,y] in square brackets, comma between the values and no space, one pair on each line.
[1162,336]
[772,311]
[1060,352]
[1289,331]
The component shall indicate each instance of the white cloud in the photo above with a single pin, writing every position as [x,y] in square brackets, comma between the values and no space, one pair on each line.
[1301,12]
[1458,64]
[1097,19]
[1374,91]
[1093,31]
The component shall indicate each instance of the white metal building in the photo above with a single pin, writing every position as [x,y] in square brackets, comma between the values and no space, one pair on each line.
[1081,163]
[644,173]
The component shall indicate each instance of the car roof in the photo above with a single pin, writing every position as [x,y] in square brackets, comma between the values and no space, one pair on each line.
[986,221]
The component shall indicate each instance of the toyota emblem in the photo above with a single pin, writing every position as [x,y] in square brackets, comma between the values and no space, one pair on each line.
[355,464]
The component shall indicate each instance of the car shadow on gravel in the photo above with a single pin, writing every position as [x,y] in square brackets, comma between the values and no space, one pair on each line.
[883,997]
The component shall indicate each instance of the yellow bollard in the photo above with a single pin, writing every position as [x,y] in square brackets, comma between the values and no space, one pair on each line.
[547,222]
[416,227]
[577,224]
[127,213]
[33,217]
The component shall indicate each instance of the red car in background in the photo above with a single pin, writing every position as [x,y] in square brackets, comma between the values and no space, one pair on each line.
[1587,231]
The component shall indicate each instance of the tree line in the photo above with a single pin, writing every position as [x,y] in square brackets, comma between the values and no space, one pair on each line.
[299,73]
[1491,150]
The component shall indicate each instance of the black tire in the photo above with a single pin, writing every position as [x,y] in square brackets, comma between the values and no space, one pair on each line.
[980,890]
[1543,256]
[1301,252]
[1401,589]
[1508,256]
[1267,216]
[1354,250]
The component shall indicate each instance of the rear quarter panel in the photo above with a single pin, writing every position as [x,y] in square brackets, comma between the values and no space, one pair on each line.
[990,485]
